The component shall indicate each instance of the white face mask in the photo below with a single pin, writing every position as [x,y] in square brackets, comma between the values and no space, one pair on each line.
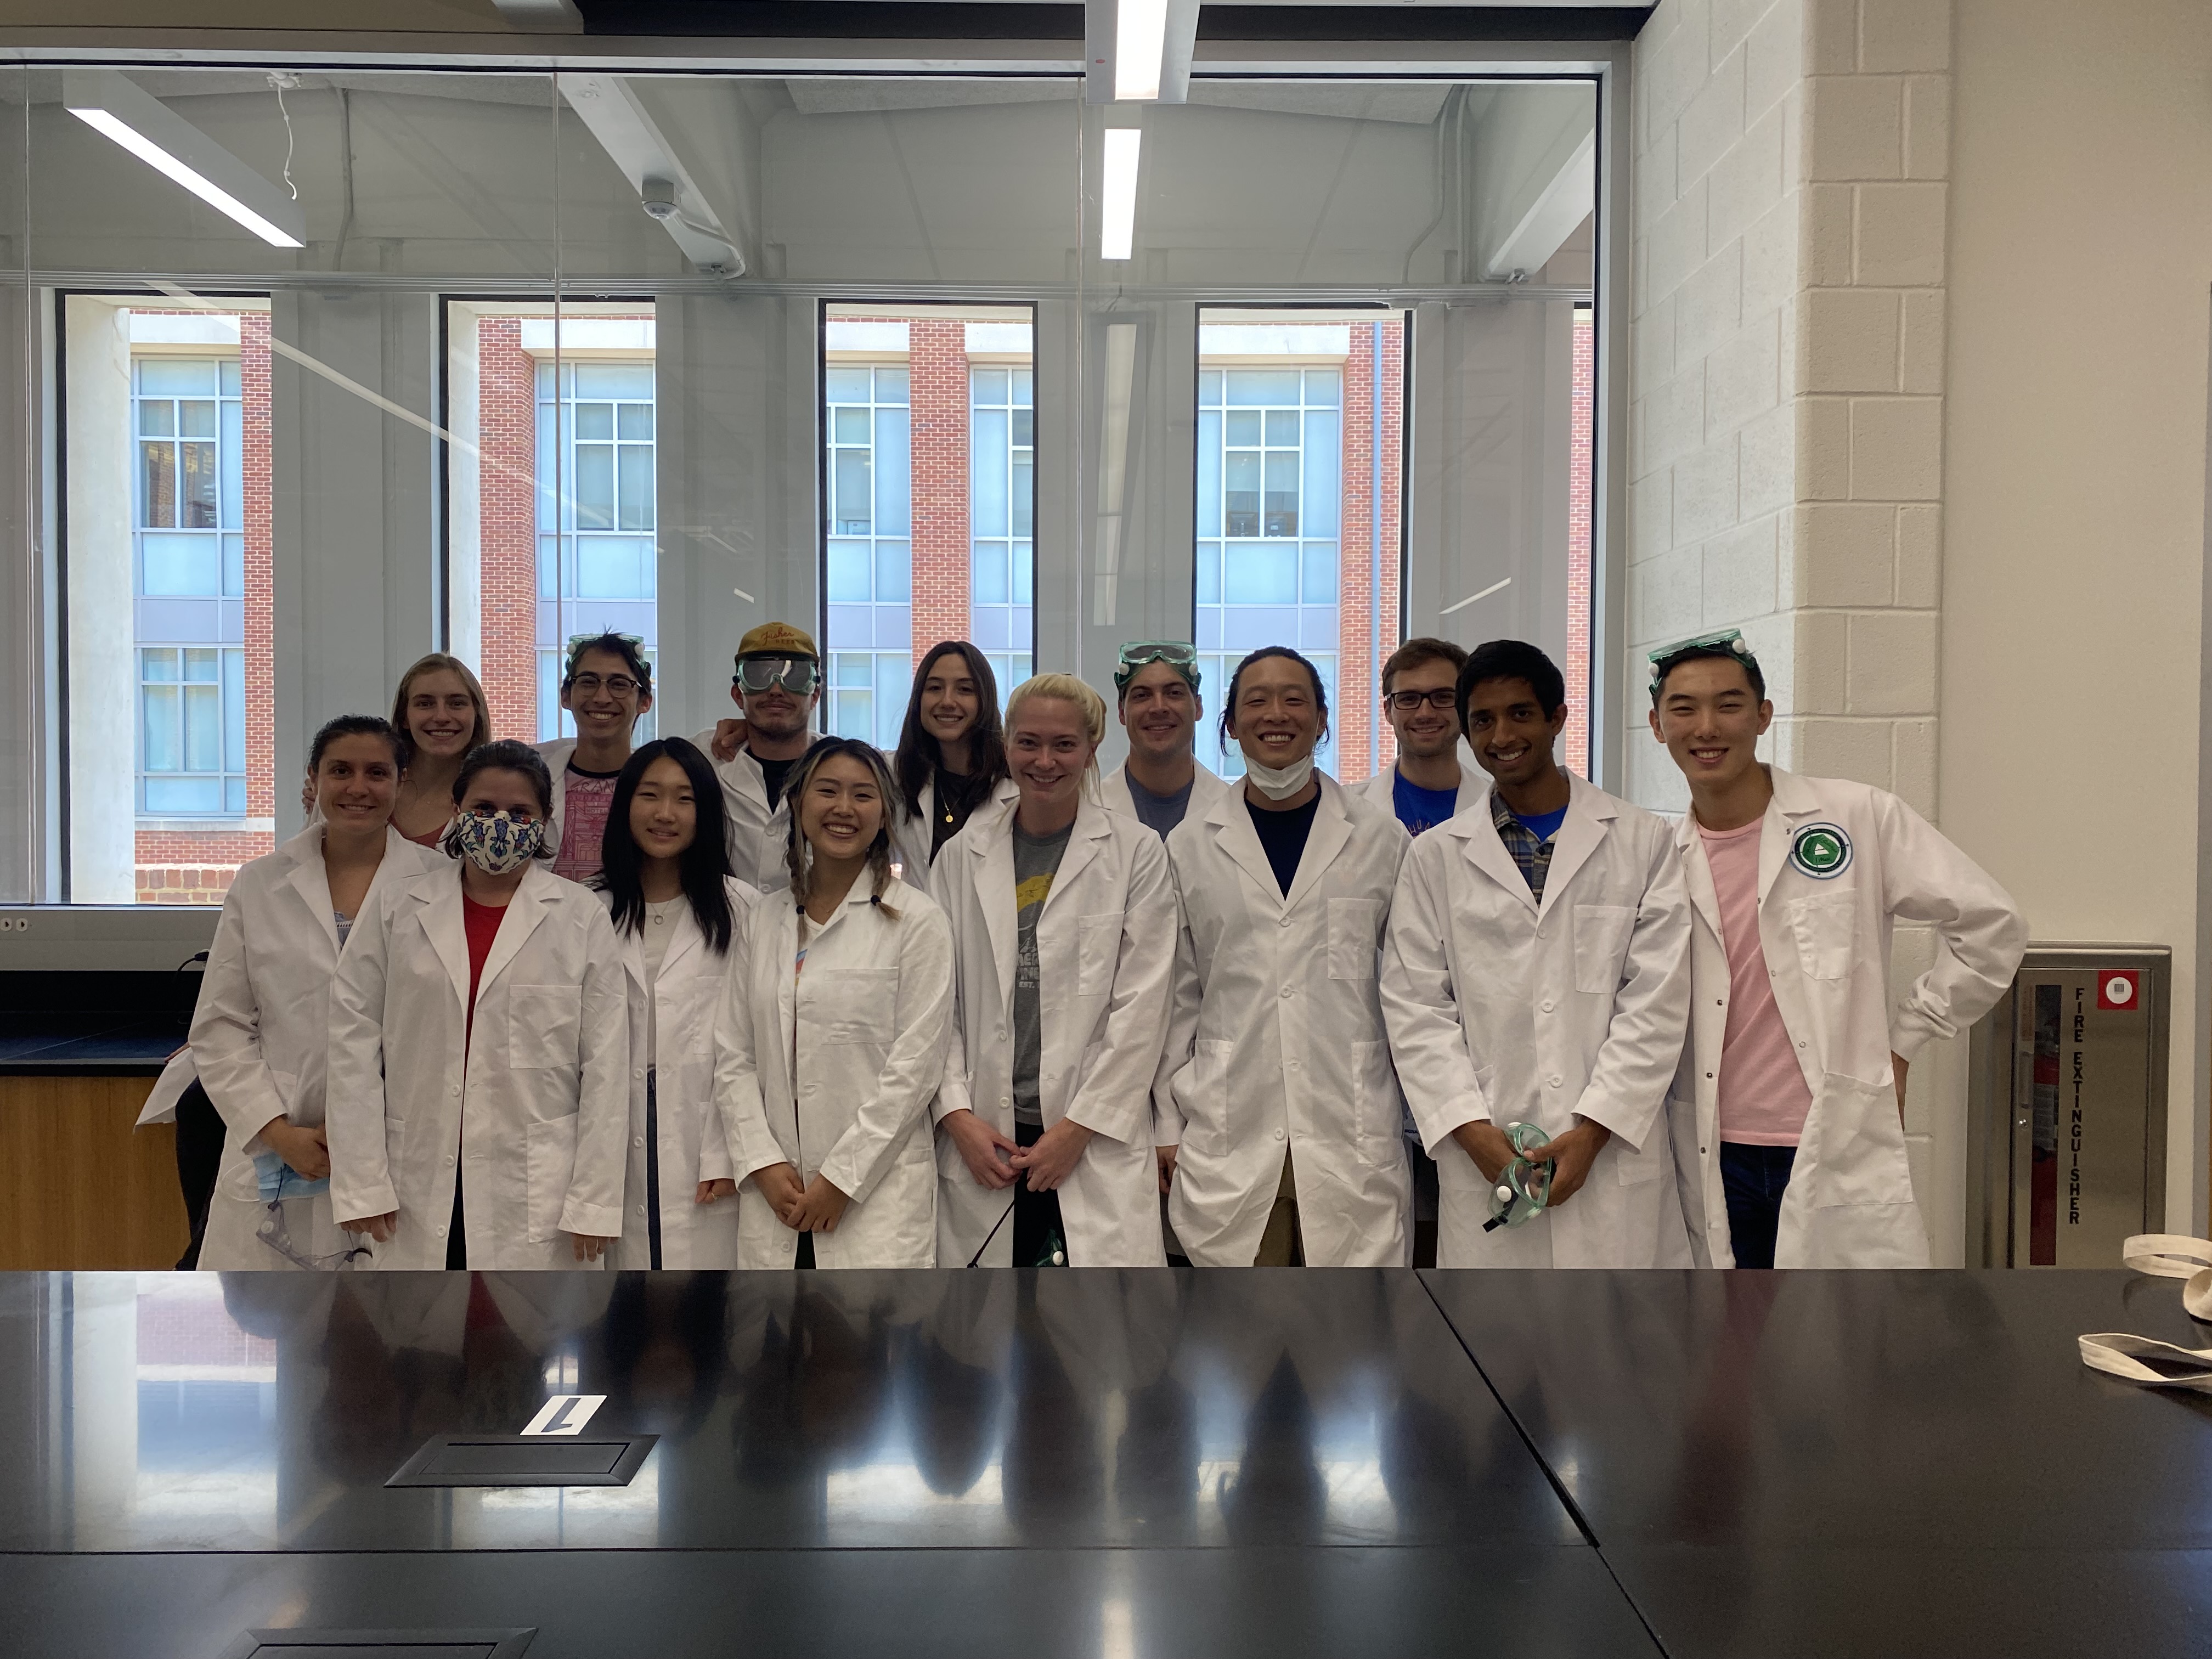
[1277,782]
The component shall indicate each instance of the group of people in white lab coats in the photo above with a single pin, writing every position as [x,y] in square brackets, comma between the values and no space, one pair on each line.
[770,999]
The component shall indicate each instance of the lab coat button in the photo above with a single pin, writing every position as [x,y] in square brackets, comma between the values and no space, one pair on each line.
[454,1089]
[1290,990]
[1294,1064]
[1002,1037]
[1003,1101]
[1555,1080]
[639,1072]
[1548,1005]
[441,1232]
[637,1141]
[1801,1043]
[1279,1135]
[1285,922]
[641,1209]
[449,1160]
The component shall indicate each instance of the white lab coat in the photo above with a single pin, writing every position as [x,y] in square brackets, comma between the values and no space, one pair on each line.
[910,839]
[1106,955]
[1381,789]
[1277,1039]
[685,998]
[1849,1200]
[758,829]
[543,1096]
[1503,1010]
[261,1031]
[1205,788]
[867,1024]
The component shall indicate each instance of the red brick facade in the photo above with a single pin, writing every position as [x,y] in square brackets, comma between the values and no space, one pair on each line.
[937,365]
[507,433]
[195,866]
[1581,437]
[1359,670]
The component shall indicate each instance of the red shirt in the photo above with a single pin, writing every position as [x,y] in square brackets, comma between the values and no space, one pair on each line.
[482,922]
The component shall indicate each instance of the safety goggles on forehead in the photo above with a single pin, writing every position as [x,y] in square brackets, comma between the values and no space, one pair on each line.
[796,675]
[1729,640]
[1178,654]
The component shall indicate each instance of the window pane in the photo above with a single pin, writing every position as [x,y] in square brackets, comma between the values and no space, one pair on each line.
[850,715]
[1323,457]
[891,472]
[1244,428]
[1209,573]
[987,467]
[1025,428]
[1024,393]
[894,674]
[891,385]
[1283,428]
[1209,387]
[852,425]
[852,491]
[1239,493]
[1209,471]
[157,484]
[1263,385]
[1025,488]
[158,728]
[1318,586]
[201,664]
[230,377]
[988,576]
[849,575]
[894,573]
[157,417]
[850,668]
[195,418]
[203,729]
[548,571]
[595,421]
[180,566]
[177,377]
[1258,573]
[595,487]
[233,712]
[184,797]
[198,498]
[1282,514]
[990,385]
[550,712]
[846,385]
[234,464]
[598,379]
[233,795]
[1323,385]
[613,568]
[637,461]
[233,565]
[633,421]
[1024,563]
[157,665]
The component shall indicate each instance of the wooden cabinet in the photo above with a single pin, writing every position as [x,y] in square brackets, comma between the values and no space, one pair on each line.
[80,1187]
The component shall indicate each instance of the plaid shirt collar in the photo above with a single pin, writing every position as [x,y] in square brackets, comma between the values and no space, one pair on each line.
[1533,856]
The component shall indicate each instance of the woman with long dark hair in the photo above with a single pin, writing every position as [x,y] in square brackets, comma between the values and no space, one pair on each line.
[480,1057]
[680,914]
[952,755]
[833,1037]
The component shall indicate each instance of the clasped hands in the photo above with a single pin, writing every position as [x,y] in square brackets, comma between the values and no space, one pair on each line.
[1570,1154]
[995,1161]
[815,1207]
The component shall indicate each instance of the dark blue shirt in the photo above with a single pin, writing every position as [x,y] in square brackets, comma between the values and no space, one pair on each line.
[1420,809]
[1542,825]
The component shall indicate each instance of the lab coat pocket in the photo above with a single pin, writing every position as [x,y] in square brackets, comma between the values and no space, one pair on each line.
[1858,1150]
[1203,1097]
[856,1005]
[1602,934]
[1823,924]
[1097,947]
[543,1024]
[1355,926]
[1633,1166]
[550,1159]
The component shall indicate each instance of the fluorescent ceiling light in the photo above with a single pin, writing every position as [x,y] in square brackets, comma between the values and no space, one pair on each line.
[111,104]
[1140,34]
[1117,193]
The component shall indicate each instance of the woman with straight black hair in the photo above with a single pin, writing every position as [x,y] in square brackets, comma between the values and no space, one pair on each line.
[952,755]
[680,914]
[833,1034]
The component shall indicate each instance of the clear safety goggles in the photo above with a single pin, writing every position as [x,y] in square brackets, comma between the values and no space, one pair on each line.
[796,675]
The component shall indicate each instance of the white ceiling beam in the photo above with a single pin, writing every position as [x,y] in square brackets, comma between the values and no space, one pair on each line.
[667,192]
[142,123]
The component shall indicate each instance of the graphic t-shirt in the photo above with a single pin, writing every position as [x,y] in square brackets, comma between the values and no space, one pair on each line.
[1420,809]
[583,822]
[1037,861]
[1763,1097]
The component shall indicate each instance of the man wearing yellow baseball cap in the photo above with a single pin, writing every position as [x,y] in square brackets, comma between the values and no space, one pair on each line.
[776,686]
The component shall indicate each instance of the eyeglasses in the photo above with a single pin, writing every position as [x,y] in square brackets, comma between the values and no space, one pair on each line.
[1178,654]
[620,685]
[796,675]
[1444,697]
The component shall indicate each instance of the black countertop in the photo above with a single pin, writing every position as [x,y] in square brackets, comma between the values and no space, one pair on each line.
[1156,1462]
[92,1024]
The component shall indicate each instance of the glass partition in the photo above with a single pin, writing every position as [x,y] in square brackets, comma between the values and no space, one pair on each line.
[482,361]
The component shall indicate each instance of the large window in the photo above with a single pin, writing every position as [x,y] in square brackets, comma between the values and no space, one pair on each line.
[929,447]
[189,554]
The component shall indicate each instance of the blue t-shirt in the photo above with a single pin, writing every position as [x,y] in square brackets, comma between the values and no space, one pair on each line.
[1420,809]
[1542,825]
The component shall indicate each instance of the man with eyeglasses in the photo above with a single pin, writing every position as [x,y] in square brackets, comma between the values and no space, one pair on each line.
[1429,784]
[1156,688]
[776,687]
[607,686]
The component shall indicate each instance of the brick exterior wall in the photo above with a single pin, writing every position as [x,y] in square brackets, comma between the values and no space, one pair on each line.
[937,364]
[506,432]
[1358,669]
[1581,438]
[195,868]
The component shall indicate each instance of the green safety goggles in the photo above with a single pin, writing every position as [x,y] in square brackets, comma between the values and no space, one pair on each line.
[1729,640]
[1178,654]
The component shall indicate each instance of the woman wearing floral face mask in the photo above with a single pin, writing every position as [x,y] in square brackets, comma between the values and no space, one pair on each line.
[479,1066]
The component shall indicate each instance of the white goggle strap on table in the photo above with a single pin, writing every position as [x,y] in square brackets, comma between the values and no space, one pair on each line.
[2168,1255]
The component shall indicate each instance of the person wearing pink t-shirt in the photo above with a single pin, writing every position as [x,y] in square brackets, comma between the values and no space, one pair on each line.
[607,687]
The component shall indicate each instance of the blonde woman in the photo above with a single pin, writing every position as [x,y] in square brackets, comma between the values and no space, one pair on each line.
[832,1037]
[1064,924]
[441,714]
